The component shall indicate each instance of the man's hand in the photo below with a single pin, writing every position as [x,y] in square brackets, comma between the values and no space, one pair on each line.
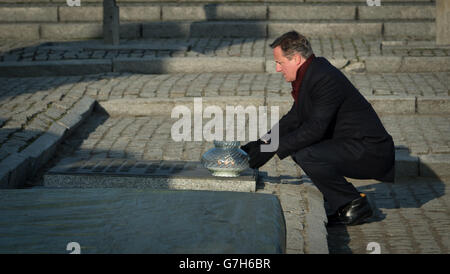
[257,158]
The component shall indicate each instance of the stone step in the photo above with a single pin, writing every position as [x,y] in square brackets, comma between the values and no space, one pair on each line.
[389,93]
[208,12]
[137,221]
[228,2]
[404,105]
[417,29]
[162,65]
[420,140]
[70,173]
[19,166]
[188,55]
[330,47]
[112,172]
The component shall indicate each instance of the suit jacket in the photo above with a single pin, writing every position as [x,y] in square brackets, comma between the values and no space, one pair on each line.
[330,107]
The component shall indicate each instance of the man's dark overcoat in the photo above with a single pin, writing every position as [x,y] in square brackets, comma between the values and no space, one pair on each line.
[330,109]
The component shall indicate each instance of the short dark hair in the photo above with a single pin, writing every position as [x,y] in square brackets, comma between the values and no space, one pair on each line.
[293,42]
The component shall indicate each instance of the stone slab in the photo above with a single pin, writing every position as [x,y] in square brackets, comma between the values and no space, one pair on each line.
[40,151]
[96,44]
[192,64]
[213,12]
[315,220]
[393,104]
[442,22]
[406,63]
[75,117]
[211,29]
[230,11]
[312,30]
[20,31]
[28,14]
[140,13]
[119,221]
[4,177]
[54,68]
[20,166]
[232,29]
[311,12]
[383,63]
[165,29]
[418,29]
[425,64]
[126,173]
[390,12]
[80,14]
[15,165]
[433,105]
[71,31]
[83,108]
[164,106]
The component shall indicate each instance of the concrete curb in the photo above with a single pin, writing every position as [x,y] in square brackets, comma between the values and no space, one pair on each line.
[188,64]
[125,173]
[433,105]
[406,63]
[134,10]
[315,221]
[17,168]
[242,28]
[164,106]
[381,104]
[393,104]
[162,65]
[54,68]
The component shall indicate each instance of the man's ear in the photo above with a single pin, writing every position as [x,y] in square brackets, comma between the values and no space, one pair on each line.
[298,59]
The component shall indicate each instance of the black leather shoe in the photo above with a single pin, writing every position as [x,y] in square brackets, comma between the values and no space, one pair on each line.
[353,213]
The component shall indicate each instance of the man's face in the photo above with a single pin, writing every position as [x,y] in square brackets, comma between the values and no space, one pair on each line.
[287,67]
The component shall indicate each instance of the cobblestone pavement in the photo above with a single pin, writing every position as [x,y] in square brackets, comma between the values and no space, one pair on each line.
[149,138]
[26,113]
[411,216]
[30,105]
[125,85]
[350,48]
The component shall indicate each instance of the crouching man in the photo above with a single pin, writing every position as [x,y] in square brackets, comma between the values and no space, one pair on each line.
[331,131]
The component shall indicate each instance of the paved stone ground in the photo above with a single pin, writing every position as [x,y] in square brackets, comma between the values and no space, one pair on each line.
[148,138]
[125,85]
[349,48]
[411,216]
[40,57]
[29,106]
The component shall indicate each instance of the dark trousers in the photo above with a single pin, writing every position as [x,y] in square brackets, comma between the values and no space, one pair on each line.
[327,162]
